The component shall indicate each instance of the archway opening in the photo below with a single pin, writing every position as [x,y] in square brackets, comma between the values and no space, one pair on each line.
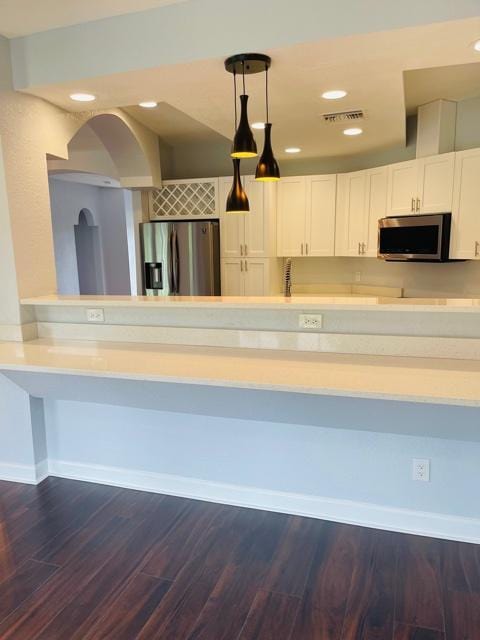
[89,255]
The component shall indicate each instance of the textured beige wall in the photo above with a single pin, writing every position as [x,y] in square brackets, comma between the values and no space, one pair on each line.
[31,128]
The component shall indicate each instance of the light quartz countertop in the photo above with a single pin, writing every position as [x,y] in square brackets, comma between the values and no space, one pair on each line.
[427,380]
[348,303]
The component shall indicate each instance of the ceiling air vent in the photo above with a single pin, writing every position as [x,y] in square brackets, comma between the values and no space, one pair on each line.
[344,116]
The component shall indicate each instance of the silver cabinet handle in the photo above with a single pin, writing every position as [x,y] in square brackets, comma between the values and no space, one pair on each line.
[413,205]
[418,204]
[301,249]
[245,249]
[359,248]
[477,244]
[363,248]
[241,266]
[306,248]
[246,265]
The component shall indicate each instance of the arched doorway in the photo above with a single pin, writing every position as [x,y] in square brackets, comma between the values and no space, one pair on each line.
[89,257]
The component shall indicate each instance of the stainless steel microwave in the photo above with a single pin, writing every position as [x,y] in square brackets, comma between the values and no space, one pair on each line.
[419,238]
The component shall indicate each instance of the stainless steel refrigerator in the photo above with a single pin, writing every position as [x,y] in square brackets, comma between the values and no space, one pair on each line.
[181,258]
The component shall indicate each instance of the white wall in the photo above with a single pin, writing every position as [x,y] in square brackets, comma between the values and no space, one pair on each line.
[338,464]
[108,209]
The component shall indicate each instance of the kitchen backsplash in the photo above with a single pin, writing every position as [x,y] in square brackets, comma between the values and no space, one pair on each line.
[451,279]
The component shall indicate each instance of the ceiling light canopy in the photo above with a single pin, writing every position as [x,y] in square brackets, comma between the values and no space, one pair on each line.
[292,150]
[334,94]
[82,97]
[148,104]
[353,131]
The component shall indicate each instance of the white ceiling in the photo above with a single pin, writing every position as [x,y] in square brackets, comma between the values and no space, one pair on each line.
[371,67]
[23,17]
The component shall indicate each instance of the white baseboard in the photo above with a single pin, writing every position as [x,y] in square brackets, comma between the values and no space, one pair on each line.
[25,473]
[364,514]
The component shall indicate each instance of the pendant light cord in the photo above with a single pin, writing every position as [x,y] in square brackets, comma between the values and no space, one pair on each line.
[266,89]
[243,75]
[235,95]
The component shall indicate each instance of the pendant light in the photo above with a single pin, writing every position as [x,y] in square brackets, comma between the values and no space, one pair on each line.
[244,145]
[237,200]
[267,168]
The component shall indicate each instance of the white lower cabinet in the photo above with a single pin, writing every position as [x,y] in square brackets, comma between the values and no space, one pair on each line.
[465,236]
[251,276]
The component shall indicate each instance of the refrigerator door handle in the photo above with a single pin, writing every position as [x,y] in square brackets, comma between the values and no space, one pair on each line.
[171,280]
[176,263]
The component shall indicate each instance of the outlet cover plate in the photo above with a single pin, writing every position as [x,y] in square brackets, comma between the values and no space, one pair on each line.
[95,315]
[309,321]
[421,469]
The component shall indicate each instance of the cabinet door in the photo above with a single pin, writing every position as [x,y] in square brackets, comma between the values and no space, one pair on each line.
[465,236]
[435,183]
[233,282]
[232,225]
[291,216]
[351,213]
[256,229]
[375,207]
[256,277]
[402,188]
[320,222]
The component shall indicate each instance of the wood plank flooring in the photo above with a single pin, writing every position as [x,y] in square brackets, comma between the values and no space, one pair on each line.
[81,561]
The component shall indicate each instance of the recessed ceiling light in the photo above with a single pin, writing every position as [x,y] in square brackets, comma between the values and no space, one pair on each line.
[148,104]
[476,45]
[292,150]
[82,97]
[354,131]
[258,125]
[334,94]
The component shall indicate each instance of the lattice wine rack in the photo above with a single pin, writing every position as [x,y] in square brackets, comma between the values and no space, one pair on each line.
[185,199]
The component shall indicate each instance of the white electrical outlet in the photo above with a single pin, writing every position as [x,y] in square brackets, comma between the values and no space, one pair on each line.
[95,315]
[309,321]
[421,469]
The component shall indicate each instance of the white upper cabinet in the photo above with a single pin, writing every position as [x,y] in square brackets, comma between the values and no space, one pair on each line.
[465,237]
[361,201]
[232,225]
[435,183]
[253,233]
[306,216]
[421,186]
[402,188]
[375,207]
[291,216]
[320,215]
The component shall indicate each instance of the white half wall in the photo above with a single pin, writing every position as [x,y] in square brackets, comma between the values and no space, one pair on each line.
[23,450]
[352,476]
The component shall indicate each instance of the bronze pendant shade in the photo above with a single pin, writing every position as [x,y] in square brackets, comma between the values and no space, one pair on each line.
[267,168]
[237,200]
[244,145]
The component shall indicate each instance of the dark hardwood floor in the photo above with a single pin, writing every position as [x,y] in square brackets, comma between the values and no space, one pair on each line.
[80,561]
